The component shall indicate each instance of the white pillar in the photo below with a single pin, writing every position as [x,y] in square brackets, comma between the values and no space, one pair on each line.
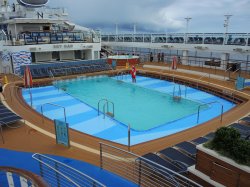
[224,60]
[184,59]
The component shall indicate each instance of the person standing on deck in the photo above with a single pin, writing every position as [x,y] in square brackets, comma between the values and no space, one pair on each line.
[133,74]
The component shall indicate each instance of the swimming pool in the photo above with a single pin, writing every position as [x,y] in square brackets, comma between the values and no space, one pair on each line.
[140,107]
[82,117]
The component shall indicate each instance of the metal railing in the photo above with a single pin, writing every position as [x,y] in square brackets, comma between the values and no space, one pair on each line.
[198,114]
[227,70]
[201,77]
[64,110]
[57,173]
[17,177]
[106,106]
[139,170]
[177,97]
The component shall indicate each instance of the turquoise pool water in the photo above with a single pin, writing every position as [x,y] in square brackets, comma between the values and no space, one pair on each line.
[140,107]
[84,118]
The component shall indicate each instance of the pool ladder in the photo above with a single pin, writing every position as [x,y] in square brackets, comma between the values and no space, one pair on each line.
[178,96]
[106,108]
[120,75]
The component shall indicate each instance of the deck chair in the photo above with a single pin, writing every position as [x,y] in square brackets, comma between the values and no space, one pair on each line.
[244,130]
[177,156]
[188,148]
[245,119]
[6,118]
[152,164]
[200,140]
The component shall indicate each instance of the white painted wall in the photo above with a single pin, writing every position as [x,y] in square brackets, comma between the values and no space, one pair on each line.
[43,56]
[67,55]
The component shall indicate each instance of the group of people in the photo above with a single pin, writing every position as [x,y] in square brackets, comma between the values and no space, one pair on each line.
[160,57]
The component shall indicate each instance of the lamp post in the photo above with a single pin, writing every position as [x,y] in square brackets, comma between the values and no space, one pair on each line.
[187,20]
[226,22]
[226,25]
[116,32]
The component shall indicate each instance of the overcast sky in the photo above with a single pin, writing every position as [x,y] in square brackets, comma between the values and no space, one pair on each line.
[158,15]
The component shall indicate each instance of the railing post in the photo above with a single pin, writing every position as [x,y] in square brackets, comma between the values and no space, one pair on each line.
[129,138]
[198,116]
[42,113]
[101,166]
[40,166]
[57,176]
[31,99]
[221,113]
[139,176]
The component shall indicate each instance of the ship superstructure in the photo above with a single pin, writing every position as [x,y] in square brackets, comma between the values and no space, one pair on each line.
[31,32]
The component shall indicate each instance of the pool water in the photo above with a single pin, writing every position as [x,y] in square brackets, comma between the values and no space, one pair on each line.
[139,107]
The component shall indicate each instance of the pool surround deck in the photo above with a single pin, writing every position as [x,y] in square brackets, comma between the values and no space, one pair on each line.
[38,136]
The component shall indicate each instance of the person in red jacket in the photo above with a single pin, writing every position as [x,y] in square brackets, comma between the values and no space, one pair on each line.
[133,74]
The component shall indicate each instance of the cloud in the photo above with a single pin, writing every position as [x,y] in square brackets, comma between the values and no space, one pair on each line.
[158,15]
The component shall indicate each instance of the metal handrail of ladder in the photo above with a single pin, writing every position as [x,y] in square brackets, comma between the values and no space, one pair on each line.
[177,98]
[106,104]
[64,110]
[222,106]
[104,111]
[120,74]
[99,104]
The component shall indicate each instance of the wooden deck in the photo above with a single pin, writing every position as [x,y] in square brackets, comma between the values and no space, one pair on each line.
[37,135]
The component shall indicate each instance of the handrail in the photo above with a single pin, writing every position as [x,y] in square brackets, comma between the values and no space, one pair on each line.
[120,74]
[107,103]
[30,178]
[227,71]
[179,91]
[162,168]
[222,106]
[99,104]
[66,166]
[54,105]
[236,71]
[202,77]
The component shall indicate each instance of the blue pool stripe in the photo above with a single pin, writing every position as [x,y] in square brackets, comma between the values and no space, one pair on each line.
[39,90]
[74,119]
[70,110]
[63,103]
[46,96]
[99,122]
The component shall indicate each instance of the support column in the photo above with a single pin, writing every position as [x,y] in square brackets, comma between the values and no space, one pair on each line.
[224,60]
[184,58]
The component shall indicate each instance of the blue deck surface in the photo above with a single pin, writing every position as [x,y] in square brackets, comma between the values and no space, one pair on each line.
[84,118]
[23,160]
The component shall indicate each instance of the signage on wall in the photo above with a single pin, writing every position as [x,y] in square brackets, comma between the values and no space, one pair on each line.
[20,58]
[62,132]
[240,83]
[65,46]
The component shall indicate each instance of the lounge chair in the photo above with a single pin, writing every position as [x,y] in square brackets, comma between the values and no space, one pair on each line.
[175,155]
[188,148]
[210,135]
[155,158]
[7,117]
[199,140]
[246,119]
[244,130]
